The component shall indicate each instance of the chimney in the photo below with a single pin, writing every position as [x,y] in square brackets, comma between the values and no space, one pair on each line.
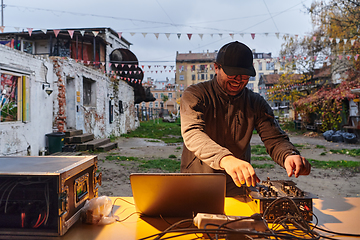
[189,51]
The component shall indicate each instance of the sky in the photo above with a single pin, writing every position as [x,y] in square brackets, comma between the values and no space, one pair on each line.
[211,23]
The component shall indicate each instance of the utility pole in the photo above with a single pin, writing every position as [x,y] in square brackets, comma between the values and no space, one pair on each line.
[2,12]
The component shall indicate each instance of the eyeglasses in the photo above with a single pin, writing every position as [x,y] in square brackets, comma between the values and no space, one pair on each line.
[234,77]
[242,77]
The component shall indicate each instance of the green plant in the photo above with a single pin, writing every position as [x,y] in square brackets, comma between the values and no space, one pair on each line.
[172,156]
[9,111]
[320,146]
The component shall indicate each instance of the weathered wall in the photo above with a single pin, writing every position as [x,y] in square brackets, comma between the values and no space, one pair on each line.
[27,138]
[93,118]
[48,113]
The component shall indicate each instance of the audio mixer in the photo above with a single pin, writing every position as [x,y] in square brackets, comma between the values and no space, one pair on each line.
[262,196]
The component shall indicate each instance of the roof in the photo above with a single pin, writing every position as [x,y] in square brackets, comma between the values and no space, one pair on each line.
[39,34]
[323,72]
[271,79]
[196,57]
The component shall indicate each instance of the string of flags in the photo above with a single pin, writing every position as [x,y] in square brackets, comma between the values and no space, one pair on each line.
[201,35]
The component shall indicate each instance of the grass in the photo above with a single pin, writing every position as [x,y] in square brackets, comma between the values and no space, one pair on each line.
[350,152]
[265,165]
[335,164]
[165,131]
[320,146]
[258,150]
[261,158]
[169,165]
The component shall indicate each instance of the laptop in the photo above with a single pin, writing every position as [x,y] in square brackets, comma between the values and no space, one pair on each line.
[178,194]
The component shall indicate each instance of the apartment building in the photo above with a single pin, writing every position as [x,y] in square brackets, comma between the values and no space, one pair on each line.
[192,68]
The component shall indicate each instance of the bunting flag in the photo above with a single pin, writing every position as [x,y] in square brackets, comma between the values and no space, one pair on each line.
[253,35]
[167,35]
[71,33]
[178,35]
[30,31]
[56,32]
[231,35]
[119,34]
[201,35]
[95,33]
[156,35]
[82,32]
[17,29]
[44,31]
[189,35]
[2,29]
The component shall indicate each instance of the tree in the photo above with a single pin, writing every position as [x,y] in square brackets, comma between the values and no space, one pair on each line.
[335,42]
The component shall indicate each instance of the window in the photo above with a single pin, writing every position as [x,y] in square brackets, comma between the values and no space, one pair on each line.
[192,68]
[250,86]
[143,104]
[260,66]
[14,97]
[151,105]
[181,87]
[202,76]
[270,66]
[202,68]
[181,77]
[193,77]
[211,76]
[252,79]
[89,92]
[121,109]
[170,95]
[156,95]
[156,104]
[28,47]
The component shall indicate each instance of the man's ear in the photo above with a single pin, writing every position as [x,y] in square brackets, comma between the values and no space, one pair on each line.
[217,68]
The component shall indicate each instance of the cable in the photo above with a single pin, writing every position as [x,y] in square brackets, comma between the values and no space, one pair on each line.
[337,233]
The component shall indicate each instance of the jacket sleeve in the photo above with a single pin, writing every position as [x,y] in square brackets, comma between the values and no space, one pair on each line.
[192,109]
[276,141]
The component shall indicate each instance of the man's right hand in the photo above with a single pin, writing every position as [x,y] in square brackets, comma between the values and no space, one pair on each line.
[241,171]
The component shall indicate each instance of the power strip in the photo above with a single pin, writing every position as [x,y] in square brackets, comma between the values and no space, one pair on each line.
[206,220]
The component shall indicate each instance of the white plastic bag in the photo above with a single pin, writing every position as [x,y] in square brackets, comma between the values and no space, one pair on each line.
[98,211]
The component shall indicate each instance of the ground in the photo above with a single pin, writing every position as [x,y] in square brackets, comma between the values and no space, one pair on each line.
[325,183]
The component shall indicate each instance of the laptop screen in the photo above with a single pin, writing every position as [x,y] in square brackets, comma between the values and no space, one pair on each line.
[178,194]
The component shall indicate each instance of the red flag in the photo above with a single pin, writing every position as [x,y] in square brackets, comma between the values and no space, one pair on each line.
[253,35]
[56,32]
[30,31]
[189,35]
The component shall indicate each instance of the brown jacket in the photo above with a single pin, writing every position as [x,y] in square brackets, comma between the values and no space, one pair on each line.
[214,125]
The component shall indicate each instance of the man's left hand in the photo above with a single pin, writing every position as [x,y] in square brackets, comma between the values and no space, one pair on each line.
[297,165]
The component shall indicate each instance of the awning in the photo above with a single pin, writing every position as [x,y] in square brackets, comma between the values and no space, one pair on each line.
[126,65]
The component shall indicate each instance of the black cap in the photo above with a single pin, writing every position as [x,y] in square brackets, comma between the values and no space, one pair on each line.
[236,58]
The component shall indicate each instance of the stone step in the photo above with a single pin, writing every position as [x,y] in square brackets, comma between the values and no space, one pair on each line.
[92,145]
[73,132]
[107,147]
[82,138]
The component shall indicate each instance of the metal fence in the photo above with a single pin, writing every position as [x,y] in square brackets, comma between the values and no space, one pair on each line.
[147,113]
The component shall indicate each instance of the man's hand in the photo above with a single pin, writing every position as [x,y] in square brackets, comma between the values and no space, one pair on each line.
[241,171]
[297,165]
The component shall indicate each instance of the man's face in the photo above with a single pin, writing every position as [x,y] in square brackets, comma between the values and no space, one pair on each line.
[232,85]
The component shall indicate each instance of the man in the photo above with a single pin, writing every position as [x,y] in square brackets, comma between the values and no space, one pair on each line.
[218,118]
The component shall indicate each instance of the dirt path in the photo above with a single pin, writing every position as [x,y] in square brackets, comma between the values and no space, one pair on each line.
[321,182]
